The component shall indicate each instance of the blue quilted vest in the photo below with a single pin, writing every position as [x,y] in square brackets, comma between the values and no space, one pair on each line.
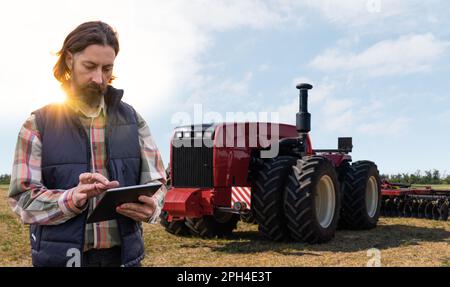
[65,155]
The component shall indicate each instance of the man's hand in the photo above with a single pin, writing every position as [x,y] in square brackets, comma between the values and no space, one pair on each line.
[91,185]
[139,212]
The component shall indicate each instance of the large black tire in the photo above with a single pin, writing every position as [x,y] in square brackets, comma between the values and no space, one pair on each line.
[361,183]
[267,197]
[312,200]
[211,226]
[176,227]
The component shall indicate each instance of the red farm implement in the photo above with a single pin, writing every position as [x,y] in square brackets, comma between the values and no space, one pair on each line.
[297,193]
[400,200]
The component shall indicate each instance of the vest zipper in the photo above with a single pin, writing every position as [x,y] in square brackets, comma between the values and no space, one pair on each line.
[90,144]
[88,156]
[94,200]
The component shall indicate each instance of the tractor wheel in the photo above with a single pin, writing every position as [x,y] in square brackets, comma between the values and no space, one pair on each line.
[362,197]
[175,227]
[209,226]
[312,200]
[267,197]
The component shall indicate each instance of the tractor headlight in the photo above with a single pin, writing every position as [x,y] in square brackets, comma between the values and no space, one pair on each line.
[198,135]
[187,134]
[179,135]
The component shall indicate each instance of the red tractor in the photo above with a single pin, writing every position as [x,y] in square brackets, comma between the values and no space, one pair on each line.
[299,193]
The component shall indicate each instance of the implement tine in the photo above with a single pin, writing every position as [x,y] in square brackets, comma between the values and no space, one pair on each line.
[383,207]
[429,209]
[407,208]
[444,211]
[421,208]
[436,209]
[415,209]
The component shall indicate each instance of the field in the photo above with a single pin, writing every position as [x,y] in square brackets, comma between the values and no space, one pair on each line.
[437,187]
[402,242]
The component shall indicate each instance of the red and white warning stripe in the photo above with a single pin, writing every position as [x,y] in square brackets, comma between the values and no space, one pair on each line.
[241,194]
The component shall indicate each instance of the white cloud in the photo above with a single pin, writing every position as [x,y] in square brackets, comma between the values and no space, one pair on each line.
[217,93]
[406,55]
[353,13]
[317,97]
[393,127]
[375,16]
[334,111]
[225,15]
[442,118]
[340,122]
[337,106]
[263,68]
[320,92]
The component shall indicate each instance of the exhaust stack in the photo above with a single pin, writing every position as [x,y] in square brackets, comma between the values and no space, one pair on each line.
[303,117]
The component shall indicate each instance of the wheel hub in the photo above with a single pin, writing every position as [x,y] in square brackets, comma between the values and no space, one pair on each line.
[325,201]
[372,196]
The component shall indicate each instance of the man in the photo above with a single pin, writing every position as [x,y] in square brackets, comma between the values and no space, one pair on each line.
[68,154]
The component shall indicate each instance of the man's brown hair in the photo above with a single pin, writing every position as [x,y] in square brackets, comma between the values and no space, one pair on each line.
[89,33]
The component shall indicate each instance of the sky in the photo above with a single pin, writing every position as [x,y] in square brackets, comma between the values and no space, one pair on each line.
[380,68]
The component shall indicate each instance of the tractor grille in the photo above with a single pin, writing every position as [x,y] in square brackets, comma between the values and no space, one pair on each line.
[192,166]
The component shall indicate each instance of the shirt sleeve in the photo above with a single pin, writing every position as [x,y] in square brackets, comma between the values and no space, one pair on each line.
[28,197]
[152,167]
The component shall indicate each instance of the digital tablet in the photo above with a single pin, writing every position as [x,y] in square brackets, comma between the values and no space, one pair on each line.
[106,208]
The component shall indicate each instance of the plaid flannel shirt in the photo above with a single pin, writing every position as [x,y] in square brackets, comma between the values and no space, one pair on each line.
[35,204]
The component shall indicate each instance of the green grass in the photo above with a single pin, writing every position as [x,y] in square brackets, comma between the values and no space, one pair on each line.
[436,186]
[402,242]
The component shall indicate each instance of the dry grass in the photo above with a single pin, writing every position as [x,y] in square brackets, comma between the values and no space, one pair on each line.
[402,242]
[14,244]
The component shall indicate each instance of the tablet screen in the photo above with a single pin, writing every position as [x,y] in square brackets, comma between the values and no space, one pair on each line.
[106,208]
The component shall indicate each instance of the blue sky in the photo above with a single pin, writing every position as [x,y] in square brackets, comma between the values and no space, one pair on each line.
[380,68]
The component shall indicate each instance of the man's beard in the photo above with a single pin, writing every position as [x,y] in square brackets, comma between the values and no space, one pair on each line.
[88,93]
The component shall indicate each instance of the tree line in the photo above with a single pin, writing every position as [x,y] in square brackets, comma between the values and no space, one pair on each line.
[5,178]
[427,177]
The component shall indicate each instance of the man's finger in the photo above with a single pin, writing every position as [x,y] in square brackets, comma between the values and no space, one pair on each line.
[131,214]
[147,200]
[91,190]
[138,208]
[85,188]
[101,186]
[113,184]
[100,178]
[85,177]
